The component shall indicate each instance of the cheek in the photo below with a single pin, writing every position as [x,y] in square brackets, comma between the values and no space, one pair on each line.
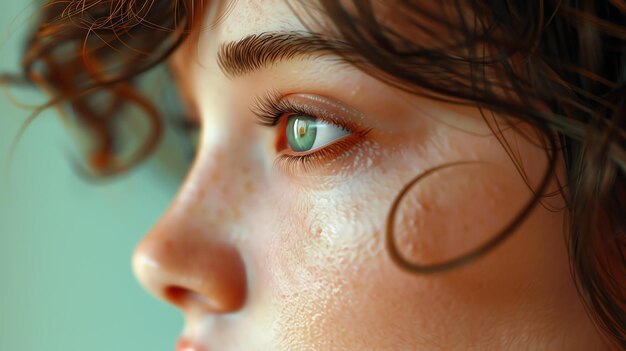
[331,278]
[459,208]
[456,210]
[321,259]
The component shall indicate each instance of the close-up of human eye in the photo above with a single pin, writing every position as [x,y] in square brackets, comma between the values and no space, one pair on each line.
[295,175]
[304,134]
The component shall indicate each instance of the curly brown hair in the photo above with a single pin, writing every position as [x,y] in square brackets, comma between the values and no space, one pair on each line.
[569,55]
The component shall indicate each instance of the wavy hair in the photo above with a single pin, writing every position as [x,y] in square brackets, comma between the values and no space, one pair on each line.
[568,55]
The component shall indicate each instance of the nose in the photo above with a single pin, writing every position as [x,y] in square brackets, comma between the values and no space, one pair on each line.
[190,267]
[192,258]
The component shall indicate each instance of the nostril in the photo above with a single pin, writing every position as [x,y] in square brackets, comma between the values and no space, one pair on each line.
[176,295]
[185,298]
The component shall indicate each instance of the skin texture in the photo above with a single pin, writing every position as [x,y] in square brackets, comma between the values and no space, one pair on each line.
[266,255]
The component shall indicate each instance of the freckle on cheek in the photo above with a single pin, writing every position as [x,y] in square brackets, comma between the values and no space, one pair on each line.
[248,187]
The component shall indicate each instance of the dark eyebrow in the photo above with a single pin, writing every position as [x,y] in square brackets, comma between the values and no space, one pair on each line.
[262,50]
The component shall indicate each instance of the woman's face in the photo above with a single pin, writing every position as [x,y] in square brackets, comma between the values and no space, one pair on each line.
[276,238]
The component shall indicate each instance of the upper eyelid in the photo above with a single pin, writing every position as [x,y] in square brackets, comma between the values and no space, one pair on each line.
[269,108]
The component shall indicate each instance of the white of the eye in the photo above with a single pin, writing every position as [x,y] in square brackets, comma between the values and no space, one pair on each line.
[327,133]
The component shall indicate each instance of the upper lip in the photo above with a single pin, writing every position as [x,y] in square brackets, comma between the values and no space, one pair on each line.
[186,345]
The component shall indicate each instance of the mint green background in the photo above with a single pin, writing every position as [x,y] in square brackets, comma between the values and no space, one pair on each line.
[65,244]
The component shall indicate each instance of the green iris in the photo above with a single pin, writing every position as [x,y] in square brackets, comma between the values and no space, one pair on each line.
[301,132]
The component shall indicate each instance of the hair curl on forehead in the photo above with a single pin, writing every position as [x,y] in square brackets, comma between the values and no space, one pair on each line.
[568,55]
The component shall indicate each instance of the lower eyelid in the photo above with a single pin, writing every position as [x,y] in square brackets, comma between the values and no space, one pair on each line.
[315,163]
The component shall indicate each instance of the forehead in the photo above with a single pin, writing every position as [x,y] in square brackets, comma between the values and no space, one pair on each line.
[234,19]
[432,24]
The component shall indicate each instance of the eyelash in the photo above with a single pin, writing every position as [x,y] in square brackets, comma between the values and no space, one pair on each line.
[272,109]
